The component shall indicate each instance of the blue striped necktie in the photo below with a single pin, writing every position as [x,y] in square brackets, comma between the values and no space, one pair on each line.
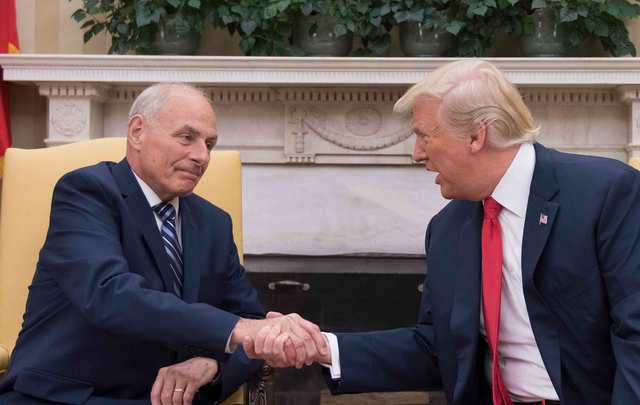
[167,214]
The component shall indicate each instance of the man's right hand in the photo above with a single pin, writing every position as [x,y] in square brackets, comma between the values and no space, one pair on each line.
[278,347]
[281,340]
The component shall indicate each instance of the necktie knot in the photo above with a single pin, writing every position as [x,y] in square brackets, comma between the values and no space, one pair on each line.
[165,211]
[491,208]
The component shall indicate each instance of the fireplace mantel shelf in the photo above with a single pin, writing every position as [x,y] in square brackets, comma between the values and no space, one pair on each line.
[259,71]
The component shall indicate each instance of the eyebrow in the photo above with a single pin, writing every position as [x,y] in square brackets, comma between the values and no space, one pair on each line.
[186,128]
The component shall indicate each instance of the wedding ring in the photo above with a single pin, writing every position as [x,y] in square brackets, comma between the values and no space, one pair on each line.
[178,390]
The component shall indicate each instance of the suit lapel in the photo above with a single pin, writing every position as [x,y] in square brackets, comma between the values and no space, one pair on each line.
[189,253]
[465,310]
[540,218]
[143,215]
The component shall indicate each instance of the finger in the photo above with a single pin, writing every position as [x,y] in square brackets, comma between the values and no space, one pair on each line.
[189,393]
[268,348]
[290,353]
[273,314]
[314,331]
[166,395]
[308,342]
[157,388]
[279,347]
[178,392]
[298,345]
[249,347]
[259,342]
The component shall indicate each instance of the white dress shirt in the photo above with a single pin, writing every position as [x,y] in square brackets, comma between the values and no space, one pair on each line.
[523,371]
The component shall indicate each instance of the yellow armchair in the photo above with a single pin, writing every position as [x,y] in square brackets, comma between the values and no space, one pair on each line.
[27,187]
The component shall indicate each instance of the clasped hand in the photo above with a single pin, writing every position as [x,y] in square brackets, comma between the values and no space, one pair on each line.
[287,341]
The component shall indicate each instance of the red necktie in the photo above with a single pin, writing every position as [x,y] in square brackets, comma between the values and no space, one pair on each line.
[491,287]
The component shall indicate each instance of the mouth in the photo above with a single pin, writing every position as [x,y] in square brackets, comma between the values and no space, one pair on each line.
[194,174]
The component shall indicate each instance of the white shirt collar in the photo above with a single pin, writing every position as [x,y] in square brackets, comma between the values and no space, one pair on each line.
[152,197]
[512,192]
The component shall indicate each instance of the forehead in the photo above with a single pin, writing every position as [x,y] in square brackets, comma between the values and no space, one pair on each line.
[188,107]
[424,113]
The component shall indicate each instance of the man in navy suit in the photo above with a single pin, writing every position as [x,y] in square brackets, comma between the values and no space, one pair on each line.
[139,295]
[538,251]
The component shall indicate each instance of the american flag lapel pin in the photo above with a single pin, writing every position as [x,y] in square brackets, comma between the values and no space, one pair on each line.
[543,219]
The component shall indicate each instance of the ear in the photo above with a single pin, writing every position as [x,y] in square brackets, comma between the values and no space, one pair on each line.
[135,131]
[478,139]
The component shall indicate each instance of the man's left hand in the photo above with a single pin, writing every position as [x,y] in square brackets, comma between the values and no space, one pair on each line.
[178,384]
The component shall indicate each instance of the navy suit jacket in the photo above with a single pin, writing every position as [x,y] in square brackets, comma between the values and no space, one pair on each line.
[581,278]
[100,319]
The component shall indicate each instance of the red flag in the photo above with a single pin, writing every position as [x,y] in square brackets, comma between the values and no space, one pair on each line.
[8,44]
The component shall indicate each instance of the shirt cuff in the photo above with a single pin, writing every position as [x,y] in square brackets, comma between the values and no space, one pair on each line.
[229,348]
[334,367]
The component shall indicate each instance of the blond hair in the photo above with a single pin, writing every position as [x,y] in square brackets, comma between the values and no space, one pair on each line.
[474,93]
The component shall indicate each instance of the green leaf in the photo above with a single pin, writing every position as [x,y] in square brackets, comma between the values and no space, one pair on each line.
[401,16]
[87,24]
[283,5]
[248,26]
[416,16]
[306,8]
[195,4]
[567,15]
[454,27]
[174,3]
[270,11]
[362,7]
[340,30]
[79,15]
[123,28]
[538,4]
[247,44]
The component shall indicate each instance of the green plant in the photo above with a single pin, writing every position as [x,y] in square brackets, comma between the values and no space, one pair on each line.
[434,15]
[263,25]
[601,19]
[363,18]
[132,24]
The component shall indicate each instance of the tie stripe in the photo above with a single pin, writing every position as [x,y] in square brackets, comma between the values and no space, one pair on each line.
[167,214]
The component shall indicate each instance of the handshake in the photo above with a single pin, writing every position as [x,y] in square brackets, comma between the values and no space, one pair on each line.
[282,340]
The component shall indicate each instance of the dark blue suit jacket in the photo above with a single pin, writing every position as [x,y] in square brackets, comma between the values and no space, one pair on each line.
[581,276]
[100,320]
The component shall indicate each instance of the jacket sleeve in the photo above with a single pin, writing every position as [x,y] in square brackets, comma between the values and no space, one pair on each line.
[83,253]
[393,360]
[618,238]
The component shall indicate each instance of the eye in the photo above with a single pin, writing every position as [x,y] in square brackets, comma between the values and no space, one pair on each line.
[211,143]
[185,136]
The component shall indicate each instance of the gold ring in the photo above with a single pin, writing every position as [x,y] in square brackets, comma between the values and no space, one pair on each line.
[178,390]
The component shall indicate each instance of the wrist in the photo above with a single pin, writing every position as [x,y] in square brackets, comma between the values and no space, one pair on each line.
[244,327]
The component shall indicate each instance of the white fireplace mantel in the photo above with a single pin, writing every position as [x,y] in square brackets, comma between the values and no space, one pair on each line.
[266,71]
[327,167]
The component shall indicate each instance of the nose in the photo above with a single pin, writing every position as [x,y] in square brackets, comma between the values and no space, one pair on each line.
[200,153]
[419,154]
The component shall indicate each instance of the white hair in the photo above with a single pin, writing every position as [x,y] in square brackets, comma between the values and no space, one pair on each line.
[472,93]
[151,99]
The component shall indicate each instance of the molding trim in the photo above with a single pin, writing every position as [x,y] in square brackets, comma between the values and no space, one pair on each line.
[230,70]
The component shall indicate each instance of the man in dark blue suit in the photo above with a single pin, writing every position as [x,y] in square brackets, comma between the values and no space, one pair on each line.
[139,296]
[533,287]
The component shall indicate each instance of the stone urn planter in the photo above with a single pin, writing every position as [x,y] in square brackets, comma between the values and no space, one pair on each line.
[170,40]
[417,41]
[315,35]
[549,37]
